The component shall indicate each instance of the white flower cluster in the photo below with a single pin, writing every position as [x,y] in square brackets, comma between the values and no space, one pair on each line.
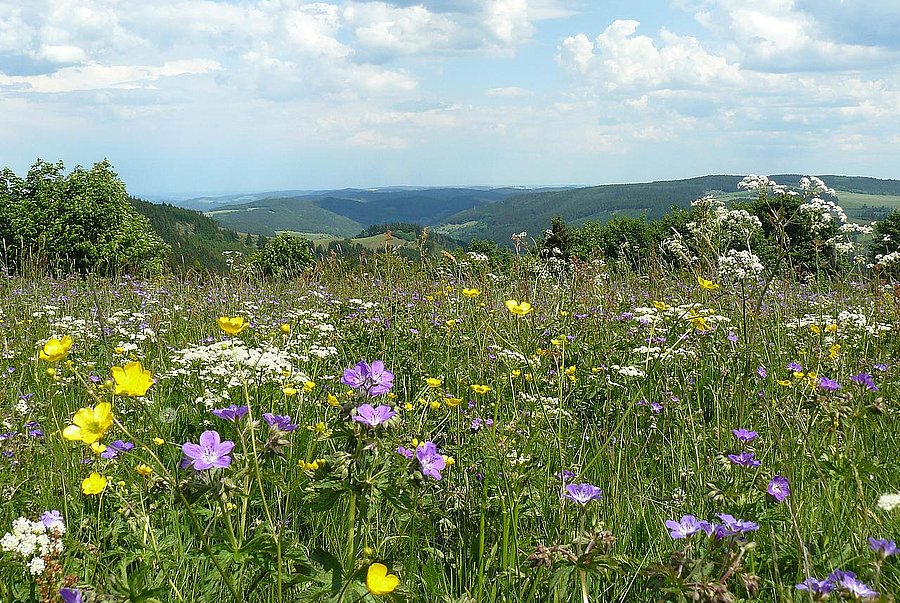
[233,363]
[674,245]
[889,259]
[34,541]
[715,222]
[739,265]
[813,186]
[822,213]
[889,502]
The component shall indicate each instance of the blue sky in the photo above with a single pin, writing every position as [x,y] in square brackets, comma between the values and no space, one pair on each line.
[207,96]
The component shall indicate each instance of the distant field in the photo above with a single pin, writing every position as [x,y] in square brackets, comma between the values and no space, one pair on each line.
[373,242]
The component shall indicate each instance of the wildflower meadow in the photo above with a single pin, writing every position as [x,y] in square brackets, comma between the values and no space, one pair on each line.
[452,430]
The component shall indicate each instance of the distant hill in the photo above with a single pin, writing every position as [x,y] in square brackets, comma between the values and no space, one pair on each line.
[197,241]
[346,212]
[533,212]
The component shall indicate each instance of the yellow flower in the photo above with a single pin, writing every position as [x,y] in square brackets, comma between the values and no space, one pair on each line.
[815,329]
[834,351]
[434,404]
[433,382]
[233,325]
[93,484]
[661,306]
[308,386]
[480,389]
[285,328]
[471,292]
[132,379]
[289,391]
[90,424]
[333,401]
[144,470]
[453,402]
[785,383]
[56,349]
[98,448]
[708,285]
[517,308]
[159,441]
[832,328]
[379,581]
[570,373]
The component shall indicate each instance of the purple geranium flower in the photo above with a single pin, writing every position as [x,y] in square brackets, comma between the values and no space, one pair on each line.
[113,450]
[686,527]
[744,459]
[70,595]
[761,371]
[280,422]
[829,385]
[744,435]
[405,452]
[865,379]
[732,527]
[819,589]
[582,493]
[373,417]
[210,453]
[779,488]
[231,413]
[48,518]
[883,547]
[848,584]
[430,460]
[368,380]
[795,367]
[565,474]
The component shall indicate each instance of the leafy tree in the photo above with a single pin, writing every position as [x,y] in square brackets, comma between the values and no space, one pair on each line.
[285,255]
[885,243]
[558,241]
[81,221]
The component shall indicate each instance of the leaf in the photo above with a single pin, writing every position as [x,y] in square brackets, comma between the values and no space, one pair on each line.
[330,563]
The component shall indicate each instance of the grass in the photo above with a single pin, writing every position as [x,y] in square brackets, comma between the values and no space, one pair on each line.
[612,378]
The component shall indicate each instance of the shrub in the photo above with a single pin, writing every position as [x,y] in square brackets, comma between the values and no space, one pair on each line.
[285,255]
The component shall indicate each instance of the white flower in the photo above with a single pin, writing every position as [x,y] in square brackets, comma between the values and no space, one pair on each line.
[889,502]
[37,566]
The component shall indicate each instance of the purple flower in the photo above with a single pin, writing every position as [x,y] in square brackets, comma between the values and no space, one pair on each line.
[280,422]
[761,371]
[744,459]
[686,527]
[478,423]
[865,379]
[369,380]
[48,518]
[819,589]
[405,452]
[70,595]
[231,413]
[732,527]
[881,367]
[732,337]
[744,435]
[113,450]
[778,488]
[210,453]
[795,367]
[828,385]
[373,417]
[883,547]
[582,493]
[848,584]
[430,461]
[565,474]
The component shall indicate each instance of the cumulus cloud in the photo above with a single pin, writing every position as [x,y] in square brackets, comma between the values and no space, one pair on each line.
[509,92]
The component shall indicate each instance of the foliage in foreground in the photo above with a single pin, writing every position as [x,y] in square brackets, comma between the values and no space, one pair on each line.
[535,435]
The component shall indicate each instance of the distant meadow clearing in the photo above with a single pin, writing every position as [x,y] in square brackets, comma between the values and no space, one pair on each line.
[454,429]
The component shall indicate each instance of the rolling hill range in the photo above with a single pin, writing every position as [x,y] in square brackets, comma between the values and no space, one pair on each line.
[347,212]
[484,213]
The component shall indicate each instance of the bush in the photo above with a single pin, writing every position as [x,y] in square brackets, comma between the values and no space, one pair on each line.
[82,221]
[285,255]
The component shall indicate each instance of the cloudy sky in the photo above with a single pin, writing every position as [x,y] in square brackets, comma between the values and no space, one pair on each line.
[241,95]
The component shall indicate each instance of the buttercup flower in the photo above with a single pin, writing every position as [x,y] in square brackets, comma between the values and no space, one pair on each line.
[471,292]
[90,423]
[480,389]
[708,285]
[56,349]
[132,379]
[519,309]
[93,484]
[379,581]
[233,325]
[210,453]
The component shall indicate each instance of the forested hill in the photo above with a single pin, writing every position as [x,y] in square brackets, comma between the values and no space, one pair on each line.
[196,240]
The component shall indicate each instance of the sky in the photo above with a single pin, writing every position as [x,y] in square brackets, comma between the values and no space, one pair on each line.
[214,96]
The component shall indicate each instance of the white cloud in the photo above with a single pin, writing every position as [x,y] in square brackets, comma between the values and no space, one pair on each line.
[620,60]
[509,92]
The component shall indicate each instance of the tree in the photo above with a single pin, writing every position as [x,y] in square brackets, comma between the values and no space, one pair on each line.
[80,221]
[285,255]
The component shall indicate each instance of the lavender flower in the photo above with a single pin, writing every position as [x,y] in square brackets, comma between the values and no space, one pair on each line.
[848,584]
[744,435]
[280,422]
[582,493]
[112,451]
[430,461]
[778,488]
[478,423]
[231,413]
[368,380]
[761,371]
[795,367]
[733,527]
[819,589]
[210,453]
[70,595]
[828,385]
[883,547]
[565,474]
[865,379]
[686,527]
[744,459]
[405,452]
[373,417]
[48,518]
